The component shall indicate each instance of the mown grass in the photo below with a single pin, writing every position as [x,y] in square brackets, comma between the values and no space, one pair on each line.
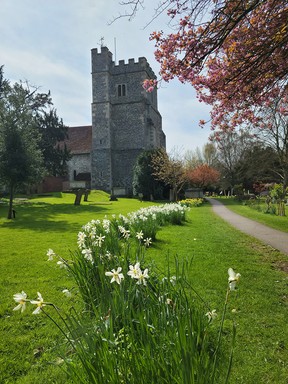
[30,343]
[255,210]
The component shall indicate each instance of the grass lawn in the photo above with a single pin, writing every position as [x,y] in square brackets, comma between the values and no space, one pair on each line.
[254,210]
[259,308]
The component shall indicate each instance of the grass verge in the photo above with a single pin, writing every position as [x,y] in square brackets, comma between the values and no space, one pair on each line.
[259,307]
[254,210]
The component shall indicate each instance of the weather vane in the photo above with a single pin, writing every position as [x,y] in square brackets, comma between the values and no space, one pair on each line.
[102,42]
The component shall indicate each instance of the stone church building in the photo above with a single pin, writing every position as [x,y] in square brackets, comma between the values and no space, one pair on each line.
[125,121]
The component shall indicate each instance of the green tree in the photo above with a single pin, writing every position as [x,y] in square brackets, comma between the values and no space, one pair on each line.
[231,147]
[21,161]
[52,131]
[170,170]
[274,134]
[259,163]
[144,182]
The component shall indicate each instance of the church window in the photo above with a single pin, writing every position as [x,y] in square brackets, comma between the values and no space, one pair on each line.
[121,90]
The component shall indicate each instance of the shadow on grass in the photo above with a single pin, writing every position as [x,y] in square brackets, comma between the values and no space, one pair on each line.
[41,216]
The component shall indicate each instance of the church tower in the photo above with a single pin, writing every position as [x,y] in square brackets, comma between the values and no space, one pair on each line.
[125,120]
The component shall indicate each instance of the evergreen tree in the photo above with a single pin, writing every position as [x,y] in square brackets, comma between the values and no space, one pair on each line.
[52,131]
[144,182]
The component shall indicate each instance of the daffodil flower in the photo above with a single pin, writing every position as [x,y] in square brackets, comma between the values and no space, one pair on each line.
[211,315]
[67,293]
[61,264]
[21,299]
[233,279]
[116,275]
[134,270]
[139,235]
[81,239]
[50,253]
[99,240]
[39,302]
[142,276]
[147,241]
[87,254]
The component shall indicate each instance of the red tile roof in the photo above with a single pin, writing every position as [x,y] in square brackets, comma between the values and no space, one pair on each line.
[79,139]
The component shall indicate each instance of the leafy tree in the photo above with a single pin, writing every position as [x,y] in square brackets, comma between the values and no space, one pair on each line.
[233,52]
[21,161]
[144,182]
[208,155]
[274,134]
[52,131]
[231,147]
[259,163]
[203,176]
[170,170]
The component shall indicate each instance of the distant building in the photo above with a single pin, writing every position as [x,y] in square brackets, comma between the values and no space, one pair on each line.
[125,121]
[79,167]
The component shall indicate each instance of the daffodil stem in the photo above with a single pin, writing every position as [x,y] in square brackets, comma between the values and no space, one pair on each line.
[220,333]
[57,325]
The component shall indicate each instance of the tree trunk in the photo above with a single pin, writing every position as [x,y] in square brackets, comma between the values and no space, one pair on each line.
[11,212]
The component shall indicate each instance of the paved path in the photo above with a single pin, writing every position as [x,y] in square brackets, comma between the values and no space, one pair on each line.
[277,239]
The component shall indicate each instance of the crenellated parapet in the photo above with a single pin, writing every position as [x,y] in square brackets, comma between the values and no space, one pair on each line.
[103,61]
[134,66]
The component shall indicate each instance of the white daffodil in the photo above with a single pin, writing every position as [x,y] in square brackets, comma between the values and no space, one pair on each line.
[108,255]
[61,264]
[142,276]
[134,270]
[87,254]
[126,233]
[81,239]
[106,225]
[99,240]
[233,279]
[147,241]
[211,315]
[50,253]
[116,275]
[21,299]
[67,293]
[139,235]
[39,302]
[173,280]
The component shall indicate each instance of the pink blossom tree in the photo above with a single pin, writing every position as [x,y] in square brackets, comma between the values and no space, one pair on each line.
[234,53]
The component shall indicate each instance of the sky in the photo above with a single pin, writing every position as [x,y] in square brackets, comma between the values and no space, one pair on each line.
[48,43]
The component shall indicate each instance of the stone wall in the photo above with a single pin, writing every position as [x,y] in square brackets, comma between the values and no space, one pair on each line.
[80,163]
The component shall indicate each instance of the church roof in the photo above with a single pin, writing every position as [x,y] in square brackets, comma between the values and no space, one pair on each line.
[79,139]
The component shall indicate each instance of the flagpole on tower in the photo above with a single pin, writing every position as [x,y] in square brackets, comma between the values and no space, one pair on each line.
[115,59]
